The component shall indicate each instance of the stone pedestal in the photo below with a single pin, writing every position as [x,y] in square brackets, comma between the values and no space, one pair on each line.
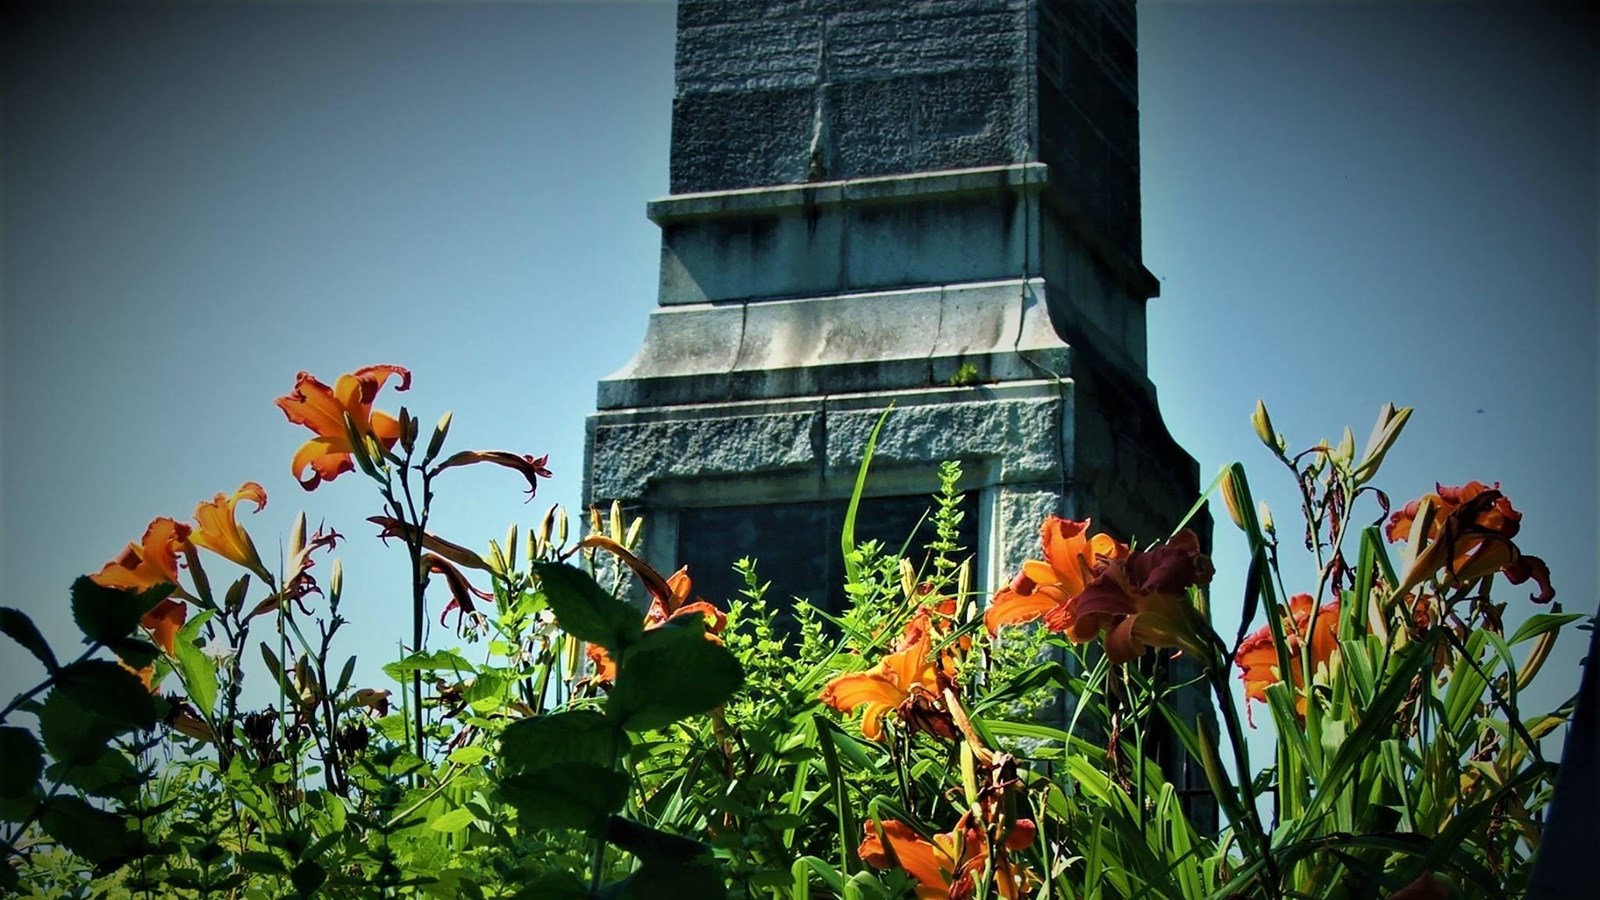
[931,205]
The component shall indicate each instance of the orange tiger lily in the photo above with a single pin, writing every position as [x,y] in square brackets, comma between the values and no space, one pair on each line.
[669,599]
[152,561]
[1468,538]
[1257,657]
[1071,557]
[945,867]
[219,529]
[1141,601]
[906,682]
[323,410]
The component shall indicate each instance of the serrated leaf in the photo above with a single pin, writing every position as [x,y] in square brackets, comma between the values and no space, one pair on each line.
[136,652]
[93,701]
[21,761]
[576,736]
[307,877]
[199,673]
[435,661]
[572,795]
[673,673]
[454,820]
[15,624]
[104,614]
[585,610]
[668,882]
[468,756]
[93,834]
[553,886]
[651,846]
[108,775]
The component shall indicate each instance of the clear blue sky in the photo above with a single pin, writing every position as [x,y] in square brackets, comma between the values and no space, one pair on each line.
[1345,203]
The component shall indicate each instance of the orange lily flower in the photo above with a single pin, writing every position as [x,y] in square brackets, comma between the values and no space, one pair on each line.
[906,682]
[1469,538]
[163,623]
[152,561]
[219,529]
[1257,657]
[323,410]
[669,599]
[945,867]
[1070,559]
[1141,601]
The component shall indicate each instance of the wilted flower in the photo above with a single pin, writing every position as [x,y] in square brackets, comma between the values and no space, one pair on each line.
[531,468]
[323,410]
[1257,657]
[219,529]
[461,590]
[1071,557]
[1468,538]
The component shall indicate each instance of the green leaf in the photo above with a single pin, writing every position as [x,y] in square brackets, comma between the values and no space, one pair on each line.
[110,774]
[136,652]
[584,610]
[199,673]
[307,877]
[17,626]
[1541,623]
[847,534]
[468,756]
[93,701]
[454,820]
[93,834]
[435,661]
[574,795]
[673,673]
[23,761]
[653,847]
[104,614]
[667,882]
[553,886]
[576,736]
[264,863]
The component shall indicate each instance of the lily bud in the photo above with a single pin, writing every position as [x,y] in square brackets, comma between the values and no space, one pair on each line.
[1263,426]
[546,526]
[511,545]
[1265,515]
[1384,433]
[561,526]
[1347,447]
[497,560]
[336,582]
[594,521]
[1235,499]
[616,522]
[297,536]
[635,529]
[359,448]
[436,443]
[408,431]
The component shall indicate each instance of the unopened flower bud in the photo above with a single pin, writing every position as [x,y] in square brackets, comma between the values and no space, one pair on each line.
[436,443]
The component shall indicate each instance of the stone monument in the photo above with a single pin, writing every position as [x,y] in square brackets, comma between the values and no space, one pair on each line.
[933,205]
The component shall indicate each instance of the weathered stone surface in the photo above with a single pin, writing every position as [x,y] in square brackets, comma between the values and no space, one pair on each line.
[841,344]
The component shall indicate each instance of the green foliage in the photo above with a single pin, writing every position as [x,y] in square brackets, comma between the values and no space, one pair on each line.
[572,744]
